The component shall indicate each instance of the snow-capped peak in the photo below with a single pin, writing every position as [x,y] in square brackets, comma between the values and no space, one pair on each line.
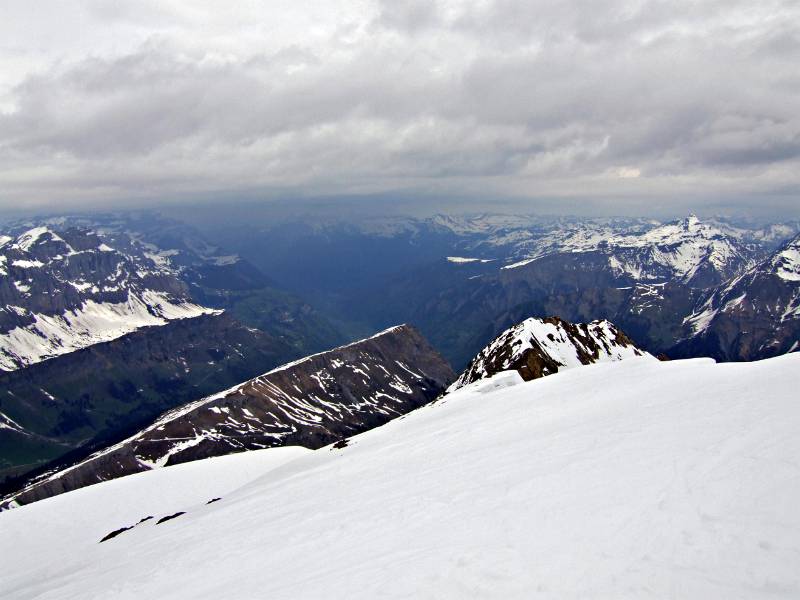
[698,253]
[692,220]
[753,315]
[786,262]
[538,347]
[690,227]
[28,239]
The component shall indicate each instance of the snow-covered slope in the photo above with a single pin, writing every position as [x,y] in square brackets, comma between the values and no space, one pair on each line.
[687,250]
[96,511]
[62,290]
[634,479]
[93,322]
[781,269]
[538,347]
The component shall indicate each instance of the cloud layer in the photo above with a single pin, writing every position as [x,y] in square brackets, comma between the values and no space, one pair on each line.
[531,98]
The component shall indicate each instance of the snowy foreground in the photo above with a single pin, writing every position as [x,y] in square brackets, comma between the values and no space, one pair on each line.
[634,479]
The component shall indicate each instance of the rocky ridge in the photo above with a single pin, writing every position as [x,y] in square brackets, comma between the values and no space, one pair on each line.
[539,347]
[312,402]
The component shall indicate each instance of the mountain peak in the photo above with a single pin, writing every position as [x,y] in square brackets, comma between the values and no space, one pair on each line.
[691,223]
[786,261]
[29,238]
[542,346]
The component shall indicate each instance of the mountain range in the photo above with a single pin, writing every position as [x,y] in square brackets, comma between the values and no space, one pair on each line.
[754,315]
[107,321]
[62,291]
[222,417]
[648,278]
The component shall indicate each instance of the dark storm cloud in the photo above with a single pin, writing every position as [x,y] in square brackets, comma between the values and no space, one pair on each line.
[505,97]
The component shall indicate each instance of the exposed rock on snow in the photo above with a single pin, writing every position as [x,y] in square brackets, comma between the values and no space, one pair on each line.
[538,347]
[92,322]
[688,250]
[786,261]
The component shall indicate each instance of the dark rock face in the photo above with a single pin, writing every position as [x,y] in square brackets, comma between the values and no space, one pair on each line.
[539,347]
[105,392]
[313,402]
[579,287]
[754,316]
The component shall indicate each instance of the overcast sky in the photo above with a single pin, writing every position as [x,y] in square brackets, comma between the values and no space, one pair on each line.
[612,101]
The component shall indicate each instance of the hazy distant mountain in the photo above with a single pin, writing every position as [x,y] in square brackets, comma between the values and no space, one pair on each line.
[111,287]
[77,280]
[68,288]
[686,251]
[755,315]
[464,279]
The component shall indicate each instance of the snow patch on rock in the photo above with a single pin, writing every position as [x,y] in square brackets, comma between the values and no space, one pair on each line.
[52,335]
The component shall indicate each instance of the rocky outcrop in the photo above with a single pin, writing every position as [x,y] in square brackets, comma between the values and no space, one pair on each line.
[539,347]
[312,402]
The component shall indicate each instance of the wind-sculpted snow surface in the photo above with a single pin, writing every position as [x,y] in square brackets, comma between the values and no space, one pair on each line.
[539,347]
[633,479]
[310,402]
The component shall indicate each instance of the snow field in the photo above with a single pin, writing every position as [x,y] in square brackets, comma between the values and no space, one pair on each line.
[632,479]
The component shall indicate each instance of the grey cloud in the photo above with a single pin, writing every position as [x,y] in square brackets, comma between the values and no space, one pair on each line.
[505,96]
[409,17]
